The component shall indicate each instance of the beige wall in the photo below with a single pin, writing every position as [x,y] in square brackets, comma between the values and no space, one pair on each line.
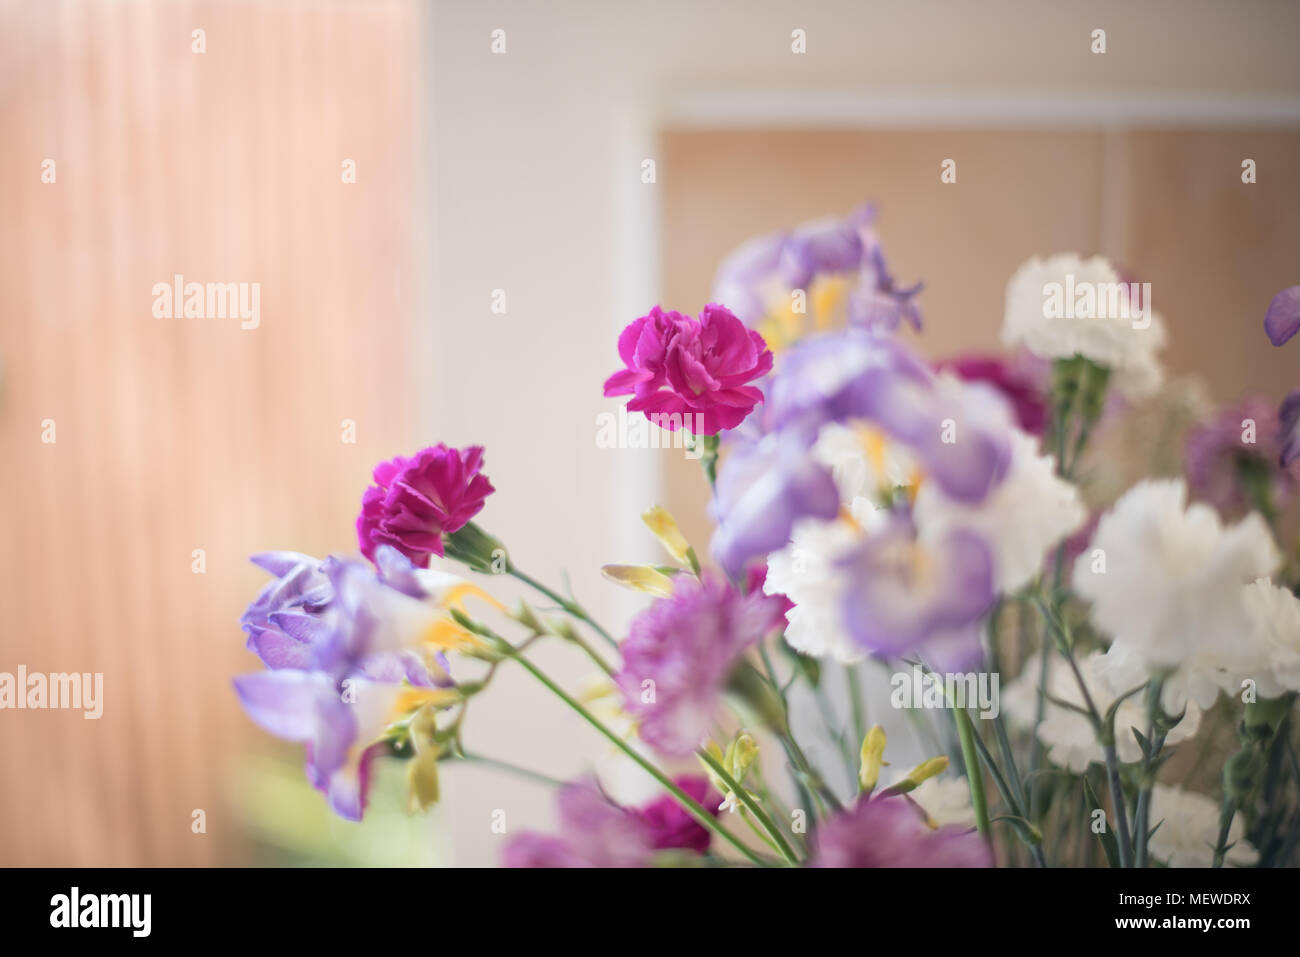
[173,435]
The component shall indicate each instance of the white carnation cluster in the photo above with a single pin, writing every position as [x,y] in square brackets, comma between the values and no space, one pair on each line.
[1187,597]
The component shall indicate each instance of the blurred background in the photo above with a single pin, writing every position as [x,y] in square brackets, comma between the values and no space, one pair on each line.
[517,176]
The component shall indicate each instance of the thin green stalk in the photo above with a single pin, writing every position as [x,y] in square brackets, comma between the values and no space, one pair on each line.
[810,775]
[693,807]
[592,654]
[855,700]
[572,607]
[1156,743]
[509,768]
[1011,797]
[974,776]
[1121,809]
[834,733]
[1227,812]
[754,807]
[1123,835]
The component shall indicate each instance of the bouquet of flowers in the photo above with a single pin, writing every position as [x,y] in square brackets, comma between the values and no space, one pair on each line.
[871,510]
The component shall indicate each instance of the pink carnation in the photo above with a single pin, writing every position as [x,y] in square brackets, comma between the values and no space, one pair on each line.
[684,373]
[415,501]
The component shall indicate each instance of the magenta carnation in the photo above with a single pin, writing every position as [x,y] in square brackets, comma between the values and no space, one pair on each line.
[415,501]
[1022,381]
[689,374]
[594,832]
[687,646]
[890,832]
[671,825]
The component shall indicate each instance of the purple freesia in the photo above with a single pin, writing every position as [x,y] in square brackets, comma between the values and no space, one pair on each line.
[765,487]
[890,832]
[291,618]
[756,280]
[340,644]
[679,654]
[914,597]
[958,432]
[308,707]
[1282,320]
[960,436]
[688,374]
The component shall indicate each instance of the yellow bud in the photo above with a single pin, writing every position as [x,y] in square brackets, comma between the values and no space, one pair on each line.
[422,778]
[872,757]
[594,687]
[740,755]
[714,752]
[927,769]
[662,524]
[640,578]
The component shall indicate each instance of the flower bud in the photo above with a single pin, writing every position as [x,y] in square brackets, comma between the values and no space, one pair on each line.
[740,755]
[422,779]
[643,578]
[871,757]
[920,774]
[664,527]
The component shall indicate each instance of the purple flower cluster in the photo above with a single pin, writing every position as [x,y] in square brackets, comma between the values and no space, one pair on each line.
[765,270]
[336,639]
[914,594]
[596,832]
[891,832]
[679,654]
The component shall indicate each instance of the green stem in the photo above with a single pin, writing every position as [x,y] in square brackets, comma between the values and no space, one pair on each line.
[974,776]
[1227,811]
[535,776]
[572,607]
[693,807]
[1123,835]
[747,799]
[855,700]
[1156,743]
[1121,809]
[811,777]
[592,654]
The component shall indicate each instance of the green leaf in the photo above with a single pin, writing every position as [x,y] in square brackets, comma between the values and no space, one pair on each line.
[1108,842]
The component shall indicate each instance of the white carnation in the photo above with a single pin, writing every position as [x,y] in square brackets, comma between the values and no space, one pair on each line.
[1275,638]
[1189,830]
[1123,343]
[1166,581]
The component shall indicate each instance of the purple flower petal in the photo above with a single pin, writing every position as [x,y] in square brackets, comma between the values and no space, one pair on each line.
[1282,320]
